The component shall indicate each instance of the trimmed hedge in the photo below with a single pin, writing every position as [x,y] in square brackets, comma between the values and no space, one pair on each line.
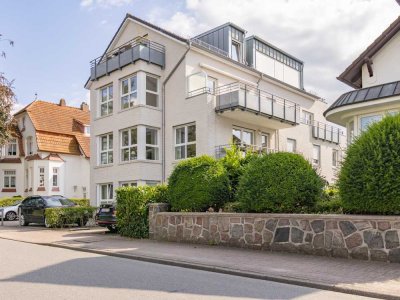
[369,181]
[132,210]
[197,184]
[61,216]
[279,182]
[81,201]
[8,201]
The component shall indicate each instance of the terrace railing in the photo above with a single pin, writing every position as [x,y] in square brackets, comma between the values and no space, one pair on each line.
[326,132]
[220,151]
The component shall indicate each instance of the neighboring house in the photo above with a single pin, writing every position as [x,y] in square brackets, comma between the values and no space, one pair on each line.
[375,75]
[49,152]
[157,98]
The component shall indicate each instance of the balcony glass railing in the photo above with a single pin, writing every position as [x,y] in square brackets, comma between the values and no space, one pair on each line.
[242,96]
[136,49]
[326,132]
[220,151]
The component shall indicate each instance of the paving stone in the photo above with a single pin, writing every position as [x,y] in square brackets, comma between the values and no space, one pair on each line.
[297,235]
[354,240]
[347,227]
[378,255]
[271,224]
[360,253]
[237,231]
[394,255]
[384,226]
[391,239]
[282,235]
[318,226]
[319,241]
[373,239]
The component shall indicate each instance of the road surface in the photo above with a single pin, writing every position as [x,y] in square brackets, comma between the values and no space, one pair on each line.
[29,271]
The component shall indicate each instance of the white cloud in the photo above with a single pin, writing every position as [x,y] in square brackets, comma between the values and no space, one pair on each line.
[90,4]
[17,107]
[326,35]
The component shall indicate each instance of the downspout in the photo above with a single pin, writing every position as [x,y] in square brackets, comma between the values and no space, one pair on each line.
[163,109]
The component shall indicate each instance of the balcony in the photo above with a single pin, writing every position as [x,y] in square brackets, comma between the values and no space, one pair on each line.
[325,132]
[237,100]
[220,151]
[136,49]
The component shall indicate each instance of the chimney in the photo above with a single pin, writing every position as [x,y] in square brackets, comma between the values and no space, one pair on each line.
[84,106]
[62,102]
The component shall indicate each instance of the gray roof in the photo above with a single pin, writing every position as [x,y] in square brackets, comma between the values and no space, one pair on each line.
[367,94]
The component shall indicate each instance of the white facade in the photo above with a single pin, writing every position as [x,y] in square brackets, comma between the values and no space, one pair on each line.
[151,136]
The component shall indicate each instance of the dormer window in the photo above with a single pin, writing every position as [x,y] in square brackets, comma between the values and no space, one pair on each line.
[235,51]
[12,147]
[86,130]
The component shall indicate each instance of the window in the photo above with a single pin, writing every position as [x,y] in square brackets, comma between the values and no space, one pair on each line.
[350,131]
[308,117]
[106,149]
[12,147]
[335,157]
[151,144]
[316,158]
[128,92]
[106,192]
[242,136]
[235,51]
[265,140]
[127,183]
[106,100]
[151,91]
[211,84]
[185,141]
[55,177]
[291,145]
[152,182]
[29,145]
[9,178]
[41,176]
[367,121]
[26,179]
[86,130]
[129,144]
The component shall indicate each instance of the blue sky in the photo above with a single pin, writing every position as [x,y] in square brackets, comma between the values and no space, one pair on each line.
[55,40]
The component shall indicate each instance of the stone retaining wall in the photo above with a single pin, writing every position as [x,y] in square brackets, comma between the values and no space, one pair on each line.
[359,237]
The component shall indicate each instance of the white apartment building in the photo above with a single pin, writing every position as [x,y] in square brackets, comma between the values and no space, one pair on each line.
[375,75]
[157,98]
[49,152]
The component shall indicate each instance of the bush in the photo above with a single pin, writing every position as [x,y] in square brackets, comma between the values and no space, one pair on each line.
[80,201]
[330,202]
[8,201]
[61,216]
[197,184]
[132,210]
[369,178]
[281,183]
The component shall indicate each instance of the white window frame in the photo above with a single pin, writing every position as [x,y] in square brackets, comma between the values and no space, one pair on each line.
[10,175]
[294,145]
[42,172]
[185,144]
[380,115]
[265,145]
[154,146]
[130,144]
[12,147]
[152,182]
[152,92]
[335,158]
[252,135]
[109,191]
[107,151]
[234,42]
[29,145]
[131,100]
[128,183]
[316,161]
[108,102]
[308,117]
[56,173]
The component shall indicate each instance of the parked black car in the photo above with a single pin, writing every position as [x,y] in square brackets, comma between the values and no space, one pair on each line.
[32,208]
[107,217]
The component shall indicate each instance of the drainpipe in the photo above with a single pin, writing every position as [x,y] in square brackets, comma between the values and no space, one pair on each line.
[163,109]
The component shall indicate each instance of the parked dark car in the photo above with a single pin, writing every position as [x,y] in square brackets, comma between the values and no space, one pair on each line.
[32,208]
[106,217]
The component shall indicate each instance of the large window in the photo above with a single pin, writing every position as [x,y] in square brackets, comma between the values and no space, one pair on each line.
[106,192]
[316,158]
[129,149]
[55,177]
[335,157]
[106,100]
[242,136]
[128,92]
[367,121]
[41,176]
[9,178]
[12,147]
[127,183]
[291,145]
[106,149]
[185,141]
[151,144]
[151,91]
[308,117]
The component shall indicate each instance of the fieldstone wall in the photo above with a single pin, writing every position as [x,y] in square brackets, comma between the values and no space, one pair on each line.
[359,237]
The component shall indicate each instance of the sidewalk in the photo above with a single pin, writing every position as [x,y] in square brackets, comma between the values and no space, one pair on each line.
[351,276]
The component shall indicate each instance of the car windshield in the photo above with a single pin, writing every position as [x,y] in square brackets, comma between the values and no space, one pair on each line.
[16,202]
[58,201]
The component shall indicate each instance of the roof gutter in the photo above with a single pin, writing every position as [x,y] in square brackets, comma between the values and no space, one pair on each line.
[163,108]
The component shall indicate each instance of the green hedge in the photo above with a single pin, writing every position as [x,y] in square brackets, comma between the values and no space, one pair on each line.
[132,210]
[80,201]
[7,201]
[281,183]
[197,184]
[369,181]
[61,216]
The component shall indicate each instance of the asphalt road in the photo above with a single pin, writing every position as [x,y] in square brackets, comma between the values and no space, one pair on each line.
[30,271]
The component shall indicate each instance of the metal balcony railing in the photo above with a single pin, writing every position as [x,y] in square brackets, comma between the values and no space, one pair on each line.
[220,151]
[200,91]
[326,132]
[209,47]
[128,53]
[249,98]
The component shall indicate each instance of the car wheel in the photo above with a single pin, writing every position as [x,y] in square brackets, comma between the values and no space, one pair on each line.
[112,228]
[22,221]
[11,216]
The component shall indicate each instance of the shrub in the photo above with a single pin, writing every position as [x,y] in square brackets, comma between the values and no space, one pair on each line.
[7,201]
[61,216]
[279,182]
[369,178]
[132,210]
[80,201]
[197,184]
[330,202]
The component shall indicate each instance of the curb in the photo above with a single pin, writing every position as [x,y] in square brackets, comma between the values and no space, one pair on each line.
[220,270]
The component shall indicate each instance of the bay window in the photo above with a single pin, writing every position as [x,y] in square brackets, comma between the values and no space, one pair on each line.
[55,177]
[185,141]
[12,147]
[106,149]
[128,92]
[129,147]
[106,100]
[151,91]
[41,176]
[151,144]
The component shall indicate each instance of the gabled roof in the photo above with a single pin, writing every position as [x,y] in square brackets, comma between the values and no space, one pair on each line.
[56,129]
[352,74]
